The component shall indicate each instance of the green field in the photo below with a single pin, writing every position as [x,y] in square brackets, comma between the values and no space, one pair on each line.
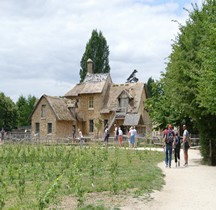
[38,176]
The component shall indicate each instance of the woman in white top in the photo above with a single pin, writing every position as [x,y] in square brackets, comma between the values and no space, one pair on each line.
[120,136]
[80,136]
[133,134]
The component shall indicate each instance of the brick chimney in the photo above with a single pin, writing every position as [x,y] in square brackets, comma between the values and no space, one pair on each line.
[90,66]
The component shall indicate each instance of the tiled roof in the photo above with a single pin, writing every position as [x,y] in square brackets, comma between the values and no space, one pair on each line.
[93,83]
[132,119]
[59,106]
[135,91]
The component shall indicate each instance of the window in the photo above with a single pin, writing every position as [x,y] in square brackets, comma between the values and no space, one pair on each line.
[91,126]
[43,111]
[49,128]
[91,103]
[123,104]
[37,127]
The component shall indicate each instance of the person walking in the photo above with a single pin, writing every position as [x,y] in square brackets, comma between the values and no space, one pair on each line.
[132,134]
[169,136]
[73,133]
[135,136]
[185,144]
[73,140]
[116,133]
[177,147]
[129,133]
[120,136]
[106,135]
[80,137]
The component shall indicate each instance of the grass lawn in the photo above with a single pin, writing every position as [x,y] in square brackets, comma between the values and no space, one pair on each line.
[38,176]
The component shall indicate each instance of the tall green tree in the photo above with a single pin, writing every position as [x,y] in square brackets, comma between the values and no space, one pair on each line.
[25,107]
[190,75]
[207,79]
[186,92]
[98,51]
[149,86]
[161,111]
[155,105]
[8,113]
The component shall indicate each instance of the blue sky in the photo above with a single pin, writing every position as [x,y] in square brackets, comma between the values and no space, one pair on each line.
[42,42]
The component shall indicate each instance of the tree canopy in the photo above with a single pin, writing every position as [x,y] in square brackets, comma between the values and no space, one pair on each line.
[98,51]
[149,86]
[25,108]
[186,93]
[15,115]
[8,113]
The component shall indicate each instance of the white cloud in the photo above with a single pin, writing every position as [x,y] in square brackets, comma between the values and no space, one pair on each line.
[42,42]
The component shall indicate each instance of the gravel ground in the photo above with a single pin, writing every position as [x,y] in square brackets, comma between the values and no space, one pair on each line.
[186,188]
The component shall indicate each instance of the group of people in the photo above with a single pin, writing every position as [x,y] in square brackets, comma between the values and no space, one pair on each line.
[118,135]
[80,135]
[172,142]
[132,136]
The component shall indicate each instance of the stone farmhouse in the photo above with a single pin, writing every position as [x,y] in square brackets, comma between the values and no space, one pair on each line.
[90,106]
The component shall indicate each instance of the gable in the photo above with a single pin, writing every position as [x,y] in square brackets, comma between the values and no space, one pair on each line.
[133,91]
[125,94]
[58,106]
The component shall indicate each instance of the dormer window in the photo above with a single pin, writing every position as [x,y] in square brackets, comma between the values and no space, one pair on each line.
[124,99]
[123,104]
[91,103]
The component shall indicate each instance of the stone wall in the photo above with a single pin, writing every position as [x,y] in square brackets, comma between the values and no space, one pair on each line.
[59,128]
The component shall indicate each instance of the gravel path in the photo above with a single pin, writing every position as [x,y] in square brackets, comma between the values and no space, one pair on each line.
[186,188]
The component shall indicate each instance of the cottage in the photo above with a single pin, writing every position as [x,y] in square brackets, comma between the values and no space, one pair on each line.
[90,106]
[51,118]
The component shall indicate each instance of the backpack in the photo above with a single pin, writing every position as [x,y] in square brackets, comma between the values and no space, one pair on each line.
[177,142]
[169,137]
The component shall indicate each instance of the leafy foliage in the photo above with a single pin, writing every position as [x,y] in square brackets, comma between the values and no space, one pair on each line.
[25,108]
[155,104]
[8,113]
[14,115]
[47,173]
[207,80]
[149,85]
[186,92]
[98,51]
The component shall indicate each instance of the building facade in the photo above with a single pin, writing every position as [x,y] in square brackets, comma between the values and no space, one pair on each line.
[90,106]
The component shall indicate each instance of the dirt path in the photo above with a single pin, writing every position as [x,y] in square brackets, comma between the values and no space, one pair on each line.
[186,188]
